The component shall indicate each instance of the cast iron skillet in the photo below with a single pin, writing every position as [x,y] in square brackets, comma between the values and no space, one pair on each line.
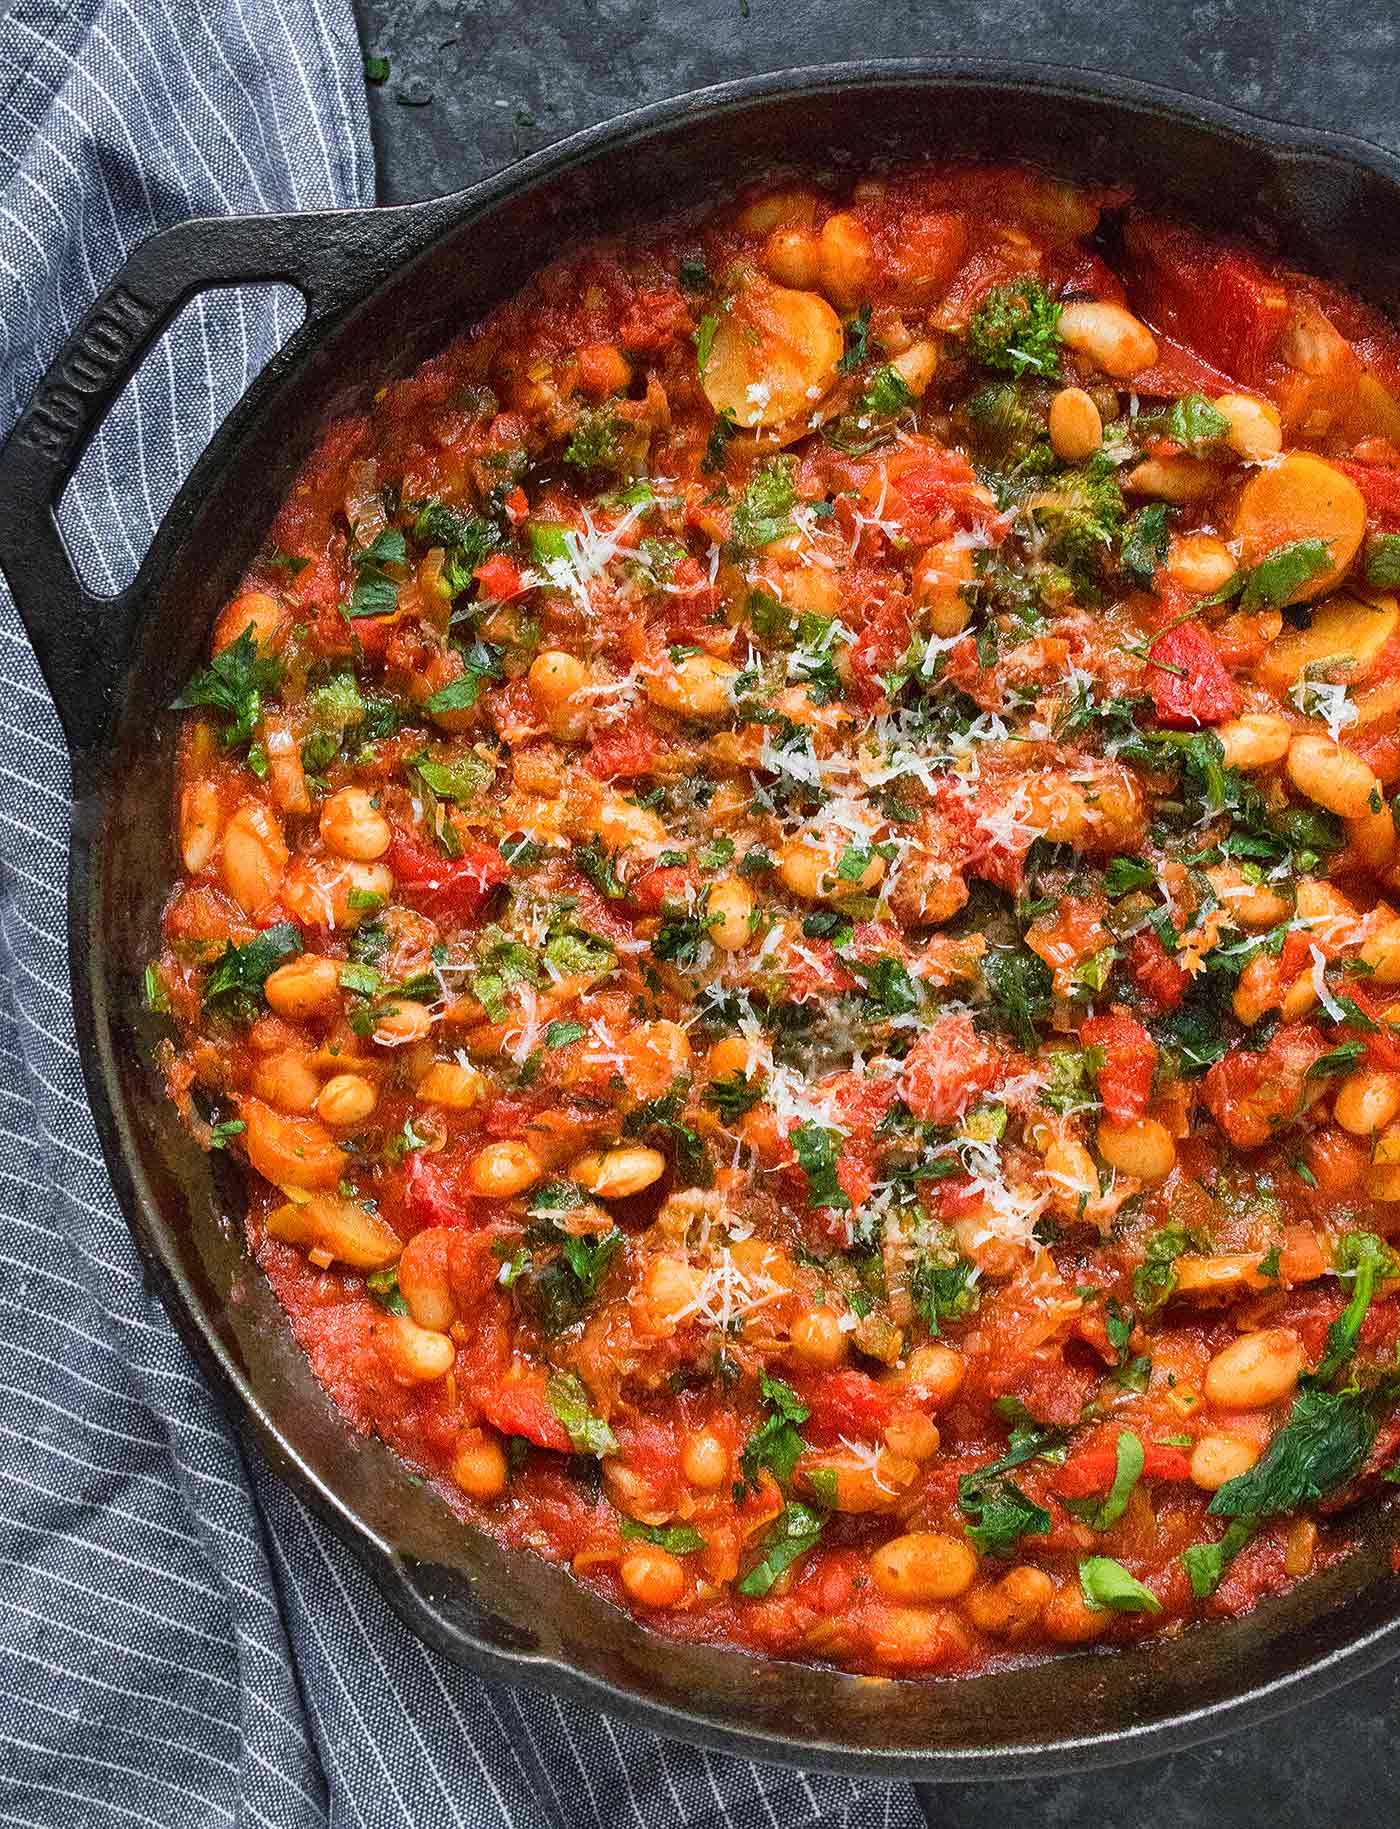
[384,288]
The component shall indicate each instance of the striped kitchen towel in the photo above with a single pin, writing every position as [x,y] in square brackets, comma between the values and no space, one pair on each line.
[181,1643]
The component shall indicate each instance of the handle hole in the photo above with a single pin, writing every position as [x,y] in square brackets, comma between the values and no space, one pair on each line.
[188,383]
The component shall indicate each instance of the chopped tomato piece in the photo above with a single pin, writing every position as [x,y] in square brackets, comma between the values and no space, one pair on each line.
[436,1192]
[674,883]
[881,646]
[1156,974]
[1380,486]
[1383,1042]
[1130,1059]
[656,319]
[1252,1094]
[1091,1473]
[948,1069]
[1217,300]
[449,890]
[500,578]
[1179,371]
[626,752]
[519,1405]
[1189,683]
[846,1403]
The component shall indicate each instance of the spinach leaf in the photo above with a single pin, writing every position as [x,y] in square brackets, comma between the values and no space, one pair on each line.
[944,1291]
[1154,1280]
[376,591]
[817,1151]
[777,1444]
[679,1539]
[1383,561]
[1276,578]
[1323,1444]
[1000,1513]
[1021,989]
[1191,422]
[1102,1514]
[761,515]
[557,1296]
[1127,873]
[456,778]
[1205,1563]
[1364,1258]
[481,661]
[731,1097]
[597,864]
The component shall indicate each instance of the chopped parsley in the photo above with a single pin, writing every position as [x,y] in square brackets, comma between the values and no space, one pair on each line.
[233,684]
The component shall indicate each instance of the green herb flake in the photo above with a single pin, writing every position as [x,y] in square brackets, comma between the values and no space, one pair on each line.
[1106,1583]
[235,983]
[679,1539]
[1021,988]
[731,1097]
[157,998]
[383,1285]
[796,1530]
[856,331]
[1154,1280]
[885,394]
[568,1398]
[1383,561]
[233,683]
[1144,544]
[560,1034]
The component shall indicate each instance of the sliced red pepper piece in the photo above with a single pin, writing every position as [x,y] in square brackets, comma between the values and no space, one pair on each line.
[1091,1473]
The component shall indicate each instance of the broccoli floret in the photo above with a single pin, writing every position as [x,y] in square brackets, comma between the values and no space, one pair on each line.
[595,444]
[337,702]
[1023,590]
[1017,327]
[1081,512]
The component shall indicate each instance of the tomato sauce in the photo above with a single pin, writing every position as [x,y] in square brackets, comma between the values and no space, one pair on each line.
[788,893]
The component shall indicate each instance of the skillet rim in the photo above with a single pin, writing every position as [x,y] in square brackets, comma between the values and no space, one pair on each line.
[429,221]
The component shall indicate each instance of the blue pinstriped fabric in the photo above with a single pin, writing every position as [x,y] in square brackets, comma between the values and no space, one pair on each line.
[180,1643]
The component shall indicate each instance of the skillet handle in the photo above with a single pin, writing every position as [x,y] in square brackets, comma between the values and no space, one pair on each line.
[82,640]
